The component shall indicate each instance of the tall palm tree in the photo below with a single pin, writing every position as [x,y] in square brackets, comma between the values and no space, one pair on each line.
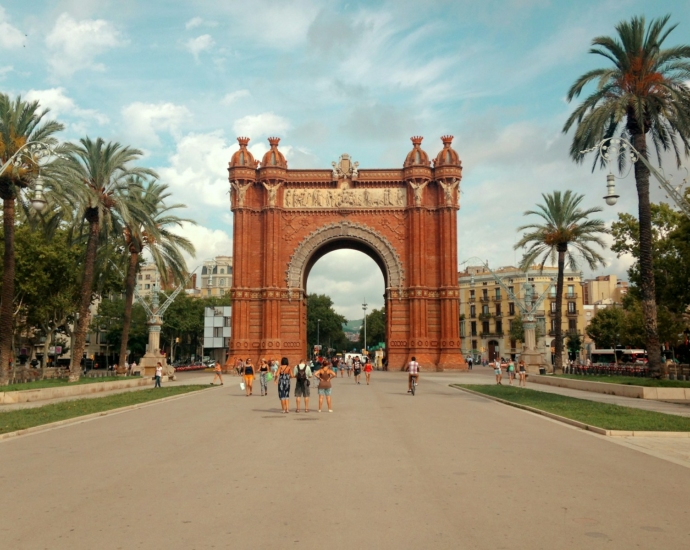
[100,174]
[151,229]
[644,93]
[564,226]
[21,122]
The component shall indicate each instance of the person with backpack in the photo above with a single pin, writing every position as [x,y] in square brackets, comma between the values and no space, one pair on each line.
[357,365]
[302,374]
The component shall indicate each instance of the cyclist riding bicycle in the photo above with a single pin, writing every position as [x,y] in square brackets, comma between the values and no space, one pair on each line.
[413,373]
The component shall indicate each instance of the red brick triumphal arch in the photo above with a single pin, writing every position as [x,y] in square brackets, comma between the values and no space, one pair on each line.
[405,219]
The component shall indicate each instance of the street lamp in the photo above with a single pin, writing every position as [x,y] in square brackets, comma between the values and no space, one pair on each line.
[619,145]
[364,308]
[318,333]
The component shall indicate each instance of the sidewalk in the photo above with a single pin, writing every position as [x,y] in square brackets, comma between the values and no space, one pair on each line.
[183,378]
[485,375]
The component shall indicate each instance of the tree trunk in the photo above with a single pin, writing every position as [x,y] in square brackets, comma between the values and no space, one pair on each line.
[647,284]
[86,289]
[129,299]
[558,367]
[7,306]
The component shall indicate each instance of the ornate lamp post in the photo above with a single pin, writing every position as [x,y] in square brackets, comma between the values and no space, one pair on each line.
[619,146]
[528,307]
[364,308]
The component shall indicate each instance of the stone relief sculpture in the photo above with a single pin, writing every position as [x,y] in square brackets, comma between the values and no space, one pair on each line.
[395,197]
[418,190]
[272,192]
[448,191]
[240,191]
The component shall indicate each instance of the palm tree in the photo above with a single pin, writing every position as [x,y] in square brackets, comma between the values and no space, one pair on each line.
[21,122]
[150,229]
[564,225]
[644,92]
[100,174]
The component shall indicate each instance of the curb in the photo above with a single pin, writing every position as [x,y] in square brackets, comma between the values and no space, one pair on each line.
[92,416]
[576,423]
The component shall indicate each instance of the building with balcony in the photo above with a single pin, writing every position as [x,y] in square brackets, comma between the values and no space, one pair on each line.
[487,314]
[216,276]
[604,289]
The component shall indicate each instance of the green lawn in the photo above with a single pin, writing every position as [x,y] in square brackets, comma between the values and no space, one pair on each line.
[602,415]
[56,382]
[630,380]
[26,418]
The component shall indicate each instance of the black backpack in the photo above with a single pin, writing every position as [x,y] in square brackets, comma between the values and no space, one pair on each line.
[301,374]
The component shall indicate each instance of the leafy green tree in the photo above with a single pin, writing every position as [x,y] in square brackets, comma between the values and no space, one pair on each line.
[670,250]
[323,323]
[564,227]
[21,123]
[607,327]
[517,330]
[99,174]
[150,228]
[574,344]
[643,93]
[376,329]
[110,319]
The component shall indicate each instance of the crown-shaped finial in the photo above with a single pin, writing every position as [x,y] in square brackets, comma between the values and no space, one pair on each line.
[243,141]
[274,141]
[416,140]
[447,140]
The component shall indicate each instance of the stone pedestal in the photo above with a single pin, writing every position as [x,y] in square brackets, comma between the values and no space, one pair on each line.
[533,359]
[153,355]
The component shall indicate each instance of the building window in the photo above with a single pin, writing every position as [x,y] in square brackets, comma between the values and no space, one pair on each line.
[553,325]
[222,282]
[148,277]
[510,325]
[473,311]
[147,286]
[553,307]
[511,308]
[572,325]
[498,309]
[228,321]
[485,294]
[499,327]
[140,277]
[571,307]
[485,327]
[222,271]
[222,292]
[474,345]
[485,310]
[498,293]
[462,329]
[473,327]
[471,294]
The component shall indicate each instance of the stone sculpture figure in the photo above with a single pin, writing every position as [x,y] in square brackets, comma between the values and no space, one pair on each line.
[448,191]
[241,191]
[418,189]
[272,192]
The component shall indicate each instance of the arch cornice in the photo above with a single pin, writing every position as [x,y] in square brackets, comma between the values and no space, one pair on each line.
[344,231]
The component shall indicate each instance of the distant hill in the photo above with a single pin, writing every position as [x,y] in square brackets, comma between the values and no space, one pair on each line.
[353,326]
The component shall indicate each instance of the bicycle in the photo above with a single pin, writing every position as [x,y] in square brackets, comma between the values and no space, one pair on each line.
[413,385]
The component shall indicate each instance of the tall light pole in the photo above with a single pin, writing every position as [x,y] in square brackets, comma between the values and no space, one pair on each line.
[364,307]
[318,333]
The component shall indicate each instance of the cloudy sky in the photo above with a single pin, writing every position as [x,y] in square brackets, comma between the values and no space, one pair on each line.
[180,80]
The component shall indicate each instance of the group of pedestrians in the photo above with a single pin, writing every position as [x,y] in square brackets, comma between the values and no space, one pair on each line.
[501,365]
[303,377]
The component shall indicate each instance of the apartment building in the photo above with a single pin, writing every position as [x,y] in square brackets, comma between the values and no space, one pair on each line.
[216,276]
[604,289]
[487,314]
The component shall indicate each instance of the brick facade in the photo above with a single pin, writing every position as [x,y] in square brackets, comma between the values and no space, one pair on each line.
[405,219]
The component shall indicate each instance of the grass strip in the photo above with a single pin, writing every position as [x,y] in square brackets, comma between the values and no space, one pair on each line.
[21,419]
[57,382]
[628,380]
[602,415]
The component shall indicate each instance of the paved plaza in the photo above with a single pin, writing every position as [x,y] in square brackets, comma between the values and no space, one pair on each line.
[443,469]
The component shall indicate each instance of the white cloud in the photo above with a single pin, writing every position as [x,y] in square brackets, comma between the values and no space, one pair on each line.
[193,23]
[145,120]
[62,105]
[10,36]
[198,174]
[265,124]
[74,45]
[5,70]
[208,243]
[199,44]
[234,96]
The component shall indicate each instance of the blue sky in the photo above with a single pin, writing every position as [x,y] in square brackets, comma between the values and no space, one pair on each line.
[181,80]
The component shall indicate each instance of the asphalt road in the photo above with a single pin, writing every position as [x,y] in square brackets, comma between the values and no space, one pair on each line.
[443,469]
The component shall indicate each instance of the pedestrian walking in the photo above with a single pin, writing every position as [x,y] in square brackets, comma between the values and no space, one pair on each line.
[522,373]
[274,366]
[263,376]
[511,372]
[217,374]
[348,366]
[159,374]
[339,366]
[469,363]
[325,375]
[248,376]
[367,369]
[357,366]
[283,381]
[497,371]
[302,373]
